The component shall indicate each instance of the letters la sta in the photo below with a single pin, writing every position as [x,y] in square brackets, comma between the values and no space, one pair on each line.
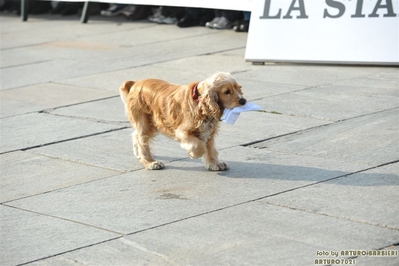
[333,9]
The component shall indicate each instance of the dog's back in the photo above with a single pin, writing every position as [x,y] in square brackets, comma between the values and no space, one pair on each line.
[158,100]
[148,94]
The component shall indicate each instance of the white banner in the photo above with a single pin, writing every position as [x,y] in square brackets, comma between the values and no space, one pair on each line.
[324,31]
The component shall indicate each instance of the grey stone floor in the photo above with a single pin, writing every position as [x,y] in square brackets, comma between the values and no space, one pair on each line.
[313,174]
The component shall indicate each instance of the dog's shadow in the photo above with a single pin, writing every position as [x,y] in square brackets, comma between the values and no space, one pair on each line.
[252,170]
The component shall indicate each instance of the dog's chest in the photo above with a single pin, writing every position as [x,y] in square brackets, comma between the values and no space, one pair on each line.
[206,129]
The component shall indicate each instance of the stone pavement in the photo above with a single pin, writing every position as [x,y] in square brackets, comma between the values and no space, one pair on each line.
[313,174]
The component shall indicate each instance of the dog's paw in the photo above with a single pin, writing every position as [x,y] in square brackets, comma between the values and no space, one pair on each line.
[219,166]
[154,165]
[195,149]
[194,154]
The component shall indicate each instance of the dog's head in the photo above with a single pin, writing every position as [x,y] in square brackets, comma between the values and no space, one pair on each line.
[220,91]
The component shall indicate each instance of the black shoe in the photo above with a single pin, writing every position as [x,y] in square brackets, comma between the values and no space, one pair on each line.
[140,13]
[205,18]
[188,21]
[242,26]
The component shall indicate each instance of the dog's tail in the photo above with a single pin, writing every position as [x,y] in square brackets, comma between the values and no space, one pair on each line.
[124,91]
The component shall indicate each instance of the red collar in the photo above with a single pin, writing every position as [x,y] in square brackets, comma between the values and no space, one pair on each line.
[196,93]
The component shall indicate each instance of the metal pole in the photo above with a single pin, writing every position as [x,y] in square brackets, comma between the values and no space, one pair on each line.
[85,12]
[24,10]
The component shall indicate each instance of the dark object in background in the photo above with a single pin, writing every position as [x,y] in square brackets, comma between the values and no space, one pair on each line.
[140,12]
[67,8]
[195,17]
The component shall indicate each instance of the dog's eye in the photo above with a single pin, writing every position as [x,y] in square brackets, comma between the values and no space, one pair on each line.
[227,92]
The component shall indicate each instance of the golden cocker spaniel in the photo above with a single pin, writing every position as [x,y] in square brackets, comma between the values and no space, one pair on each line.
[189,114]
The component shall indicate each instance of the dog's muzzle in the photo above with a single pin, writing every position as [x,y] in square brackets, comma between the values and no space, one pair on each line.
[242,101]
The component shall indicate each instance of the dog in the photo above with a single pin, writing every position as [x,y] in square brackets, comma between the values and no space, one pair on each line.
[189,114]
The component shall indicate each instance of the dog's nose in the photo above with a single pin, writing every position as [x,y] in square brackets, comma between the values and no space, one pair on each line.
[242,101]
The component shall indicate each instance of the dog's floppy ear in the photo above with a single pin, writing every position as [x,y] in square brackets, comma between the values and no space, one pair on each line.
[209,100]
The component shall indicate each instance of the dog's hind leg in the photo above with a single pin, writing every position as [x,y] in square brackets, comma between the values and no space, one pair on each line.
[135,145]
[141,142]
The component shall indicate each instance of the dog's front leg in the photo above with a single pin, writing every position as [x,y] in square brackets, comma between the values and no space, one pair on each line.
[211,160]
[195,147]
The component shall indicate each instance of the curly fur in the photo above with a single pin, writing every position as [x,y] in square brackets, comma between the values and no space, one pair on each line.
[154,105]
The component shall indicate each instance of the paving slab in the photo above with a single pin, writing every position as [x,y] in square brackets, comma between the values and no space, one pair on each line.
[48,28]
[150,54]
[110,109]
[255,90]
[143,199]
[309,75]
[86,51]
[386,82]
[250,234]
[145,33]
[364,197]
[47,71]
[35,129]
[28,236]
[44,96]
[210,63]
[123,251]
[257,126]
[14,57]
[256,234]
[112,151]
[64,67]
[331,102]
[24,174]
[370,139]
[97,47]
[113,80]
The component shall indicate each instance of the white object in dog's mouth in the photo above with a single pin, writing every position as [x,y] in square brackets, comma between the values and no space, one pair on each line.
[230,116]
